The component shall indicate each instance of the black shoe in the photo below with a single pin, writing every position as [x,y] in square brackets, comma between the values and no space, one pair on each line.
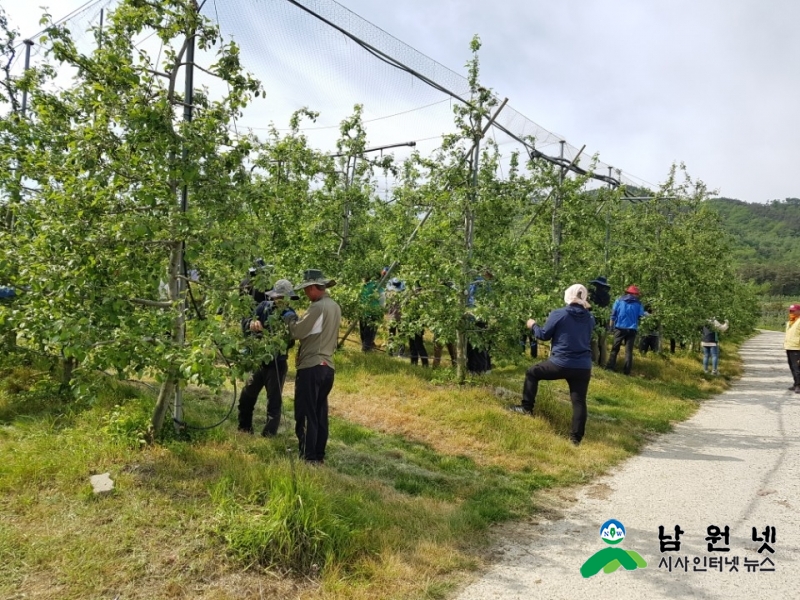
[793,388]
[243,429]
[519,409]
[575,442]
[797,390]
[268,434]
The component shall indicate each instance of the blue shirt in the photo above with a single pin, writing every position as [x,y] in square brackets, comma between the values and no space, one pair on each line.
[570,329]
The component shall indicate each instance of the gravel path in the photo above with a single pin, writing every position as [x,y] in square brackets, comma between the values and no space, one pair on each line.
[734,463]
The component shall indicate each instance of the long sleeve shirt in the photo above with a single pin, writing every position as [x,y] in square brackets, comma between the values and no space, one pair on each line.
[318,332]
[570,329]
[792,339]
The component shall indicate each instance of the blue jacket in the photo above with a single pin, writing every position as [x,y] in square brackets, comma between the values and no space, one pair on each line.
[570,328]
[627,311]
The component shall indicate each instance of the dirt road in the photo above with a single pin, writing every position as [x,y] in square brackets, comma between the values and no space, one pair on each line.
[736,463]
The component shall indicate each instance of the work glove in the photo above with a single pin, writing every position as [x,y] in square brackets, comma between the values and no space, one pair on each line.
[288,314]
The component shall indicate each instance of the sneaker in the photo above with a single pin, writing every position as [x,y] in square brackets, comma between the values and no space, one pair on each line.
[715,373]
[519,409]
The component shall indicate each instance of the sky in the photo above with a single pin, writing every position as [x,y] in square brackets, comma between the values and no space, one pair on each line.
[710,83]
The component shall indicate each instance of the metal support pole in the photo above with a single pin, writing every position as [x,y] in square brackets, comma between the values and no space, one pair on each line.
[608,223]
[100,38]
[188,101]
[28,44]
[556,216]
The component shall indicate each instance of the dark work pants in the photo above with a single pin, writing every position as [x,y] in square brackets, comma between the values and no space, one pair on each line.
[478,359]
[794,364]
[368,330]
[578,381]
[534,343]
[648,342]
[312,386]
[627,337]
[599,346]
[269,375]
[417,349]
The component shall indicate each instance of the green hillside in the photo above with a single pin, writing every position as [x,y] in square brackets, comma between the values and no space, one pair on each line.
[765,241]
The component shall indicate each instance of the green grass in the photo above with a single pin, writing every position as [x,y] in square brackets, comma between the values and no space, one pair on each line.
[418,469]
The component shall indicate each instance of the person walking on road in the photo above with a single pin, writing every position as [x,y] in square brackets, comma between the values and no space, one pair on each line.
[570,329]
[625,315]
[318,332]
[791,344]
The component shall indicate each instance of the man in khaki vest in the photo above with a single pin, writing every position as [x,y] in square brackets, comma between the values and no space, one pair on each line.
[318,332]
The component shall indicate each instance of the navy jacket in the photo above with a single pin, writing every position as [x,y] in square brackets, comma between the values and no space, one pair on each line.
[570,329]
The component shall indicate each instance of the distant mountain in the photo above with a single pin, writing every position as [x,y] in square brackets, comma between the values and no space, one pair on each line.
[766,241]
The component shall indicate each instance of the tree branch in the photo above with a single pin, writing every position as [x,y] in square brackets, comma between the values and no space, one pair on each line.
[153,303]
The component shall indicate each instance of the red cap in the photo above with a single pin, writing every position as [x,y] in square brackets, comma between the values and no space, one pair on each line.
[794,308]
[632,289]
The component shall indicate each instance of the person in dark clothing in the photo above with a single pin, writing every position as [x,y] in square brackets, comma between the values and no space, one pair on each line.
[529,340]
[479,359]
[649,338]
[570,329]
[416,345]
[394,314]
[600,300]
[625,315]
[272,374]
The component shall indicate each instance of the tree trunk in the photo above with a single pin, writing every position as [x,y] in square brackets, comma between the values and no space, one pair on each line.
[167,392]
[165,396]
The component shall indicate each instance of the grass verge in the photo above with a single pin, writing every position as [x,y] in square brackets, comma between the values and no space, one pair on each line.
[418,469]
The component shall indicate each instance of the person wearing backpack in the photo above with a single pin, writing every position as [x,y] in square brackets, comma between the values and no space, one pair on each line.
[710,344]
[600,299]
[625,315]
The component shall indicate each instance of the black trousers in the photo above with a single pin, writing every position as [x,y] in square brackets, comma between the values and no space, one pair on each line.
[627,337]
[534,343]
[368,329]
[578,381]
[312,386]
[271,376]
[648,342]
[794,364]
[416,347]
